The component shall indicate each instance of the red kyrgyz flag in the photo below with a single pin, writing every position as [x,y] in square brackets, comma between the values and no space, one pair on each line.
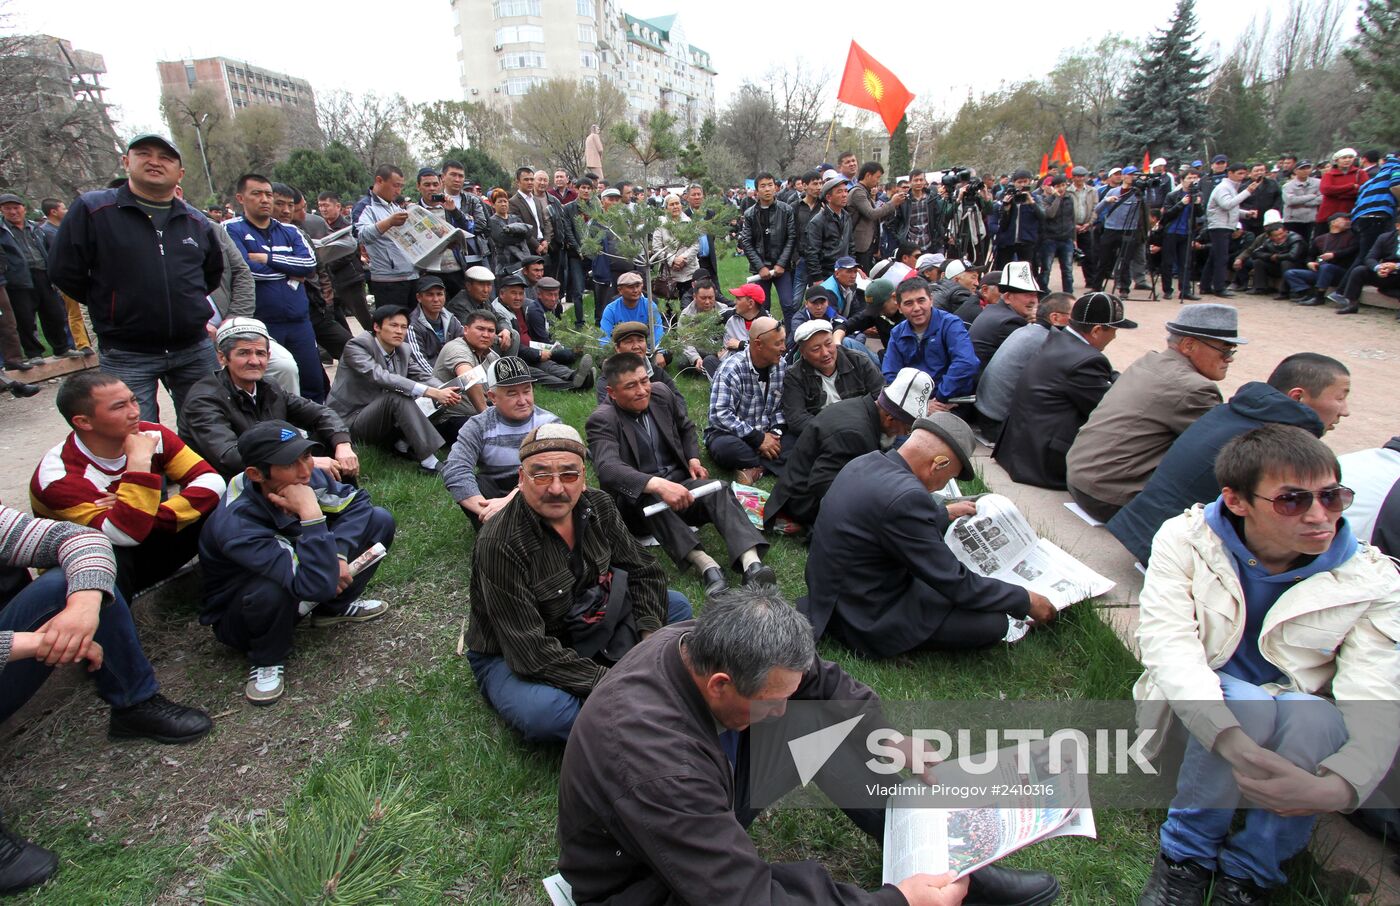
[1060,154]
[870,86]
[1044,165]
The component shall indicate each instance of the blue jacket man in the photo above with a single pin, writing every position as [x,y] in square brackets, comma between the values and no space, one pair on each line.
[278,547]
[933,341]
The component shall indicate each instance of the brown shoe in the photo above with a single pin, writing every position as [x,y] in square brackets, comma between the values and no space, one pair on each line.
[749,476]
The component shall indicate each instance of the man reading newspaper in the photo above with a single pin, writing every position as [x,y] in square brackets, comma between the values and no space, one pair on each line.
[880,577]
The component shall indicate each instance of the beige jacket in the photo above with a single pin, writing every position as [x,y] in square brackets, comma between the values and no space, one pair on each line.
[1333,634]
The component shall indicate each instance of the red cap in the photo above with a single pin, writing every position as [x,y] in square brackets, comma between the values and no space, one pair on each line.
[752,291]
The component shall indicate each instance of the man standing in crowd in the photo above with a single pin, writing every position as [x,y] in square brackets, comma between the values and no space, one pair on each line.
[1183,211]
[1263,197]
[1306,390]
[866,218]
[27,280]
[1119,245]
[579,214]
[1157,398]
[630,816]
[1057,232]
[918,222]
[746,405]
[391,274]
[1018,229]
[802,212]
[880,578]
[132,480]
[54,210]
[996,386]
[233,399]
[1222,220]
[828,236]
[841,432]
[538,650]
[1057,390]
[824,373]
[932,341]
[448,266]
[347,273]
[377,387]
[1085,197]
[144,264]
[1270,633]
[767,235]
[482,472]
[280,262]
[1302,196]
[279,548]
[695,210]
[645,450]
[532,210]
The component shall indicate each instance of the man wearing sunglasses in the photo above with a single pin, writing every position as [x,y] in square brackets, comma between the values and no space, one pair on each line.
[1152,402]
[560,591]
[1271,632]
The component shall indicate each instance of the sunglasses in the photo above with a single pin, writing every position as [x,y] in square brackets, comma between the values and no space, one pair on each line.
[545,479]
[1227,352]
[1296,503]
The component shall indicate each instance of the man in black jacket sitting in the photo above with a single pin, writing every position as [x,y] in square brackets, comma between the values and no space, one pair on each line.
[231,400]
[824,374]
[548,363]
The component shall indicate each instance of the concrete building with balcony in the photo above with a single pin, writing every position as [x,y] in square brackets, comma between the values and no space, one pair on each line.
[509,46]
[238,83]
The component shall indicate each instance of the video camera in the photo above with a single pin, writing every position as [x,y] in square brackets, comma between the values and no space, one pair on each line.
[1149,181]
[955,175]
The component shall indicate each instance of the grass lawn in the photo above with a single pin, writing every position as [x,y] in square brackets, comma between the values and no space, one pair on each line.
[465,811]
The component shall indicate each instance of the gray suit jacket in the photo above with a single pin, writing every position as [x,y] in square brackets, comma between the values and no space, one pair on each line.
[365,372]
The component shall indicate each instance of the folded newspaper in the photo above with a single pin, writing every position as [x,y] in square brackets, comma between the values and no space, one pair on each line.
[425,236]
[997,541]
[334,246]
[1039,805]
[475,376]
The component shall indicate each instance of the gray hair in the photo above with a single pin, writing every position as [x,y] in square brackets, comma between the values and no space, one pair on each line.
[747,632]
[227,344]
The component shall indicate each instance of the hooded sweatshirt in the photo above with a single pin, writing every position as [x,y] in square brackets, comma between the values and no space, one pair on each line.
[1262,588]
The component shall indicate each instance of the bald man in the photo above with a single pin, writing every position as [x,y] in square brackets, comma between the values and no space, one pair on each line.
[880,578]
[746,405]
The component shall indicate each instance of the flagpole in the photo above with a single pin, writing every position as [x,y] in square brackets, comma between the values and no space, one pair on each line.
[829,130]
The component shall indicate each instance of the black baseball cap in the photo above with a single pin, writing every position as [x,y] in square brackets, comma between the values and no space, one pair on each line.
[514,279]
[1100,308]
[426,283]
[273,442]
[509,371]
[154,138]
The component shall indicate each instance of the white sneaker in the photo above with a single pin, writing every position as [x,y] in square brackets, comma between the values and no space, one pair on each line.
[361,611]
[265,685]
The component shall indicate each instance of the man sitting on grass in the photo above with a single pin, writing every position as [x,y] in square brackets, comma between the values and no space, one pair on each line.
[72,614]
[1271,632]
[134,481]
[279,547]
[482,473]
[746,405]
[560,590]
[631,336]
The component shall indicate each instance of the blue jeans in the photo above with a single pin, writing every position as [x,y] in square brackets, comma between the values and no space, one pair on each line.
[540,712]
[300,339]
[1306,732]
[1062,250]
[126,677]
[857,346]
[789,305]
[1301,278]
[177,369]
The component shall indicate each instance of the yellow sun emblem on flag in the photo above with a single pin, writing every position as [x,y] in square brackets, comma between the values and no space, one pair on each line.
[873,86]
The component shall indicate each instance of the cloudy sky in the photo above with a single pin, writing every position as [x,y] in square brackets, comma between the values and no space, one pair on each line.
[333,45]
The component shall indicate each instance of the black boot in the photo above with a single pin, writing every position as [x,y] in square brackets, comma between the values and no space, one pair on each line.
[23,864]
[996,886]
[159,719]
[1175,884]
[1238,892]
[20,390]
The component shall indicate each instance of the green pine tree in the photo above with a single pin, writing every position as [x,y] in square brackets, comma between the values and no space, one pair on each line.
[1377,65]
[899,148]
[1163,109]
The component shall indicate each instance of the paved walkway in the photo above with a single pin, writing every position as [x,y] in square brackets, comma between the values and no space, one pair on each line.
[1369,345]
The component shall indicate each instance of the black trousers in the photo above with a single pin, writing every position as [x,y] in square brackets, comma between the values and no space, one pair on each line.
[491,490]
[392,416]
[1093,506]
[351,298]
[603,293]
[156,559]
[1368,230]
[1361,276]
[39,306]
[1219,272]
[1115,247]
[393,292]
[672,529]
[261,620]
[1176,260]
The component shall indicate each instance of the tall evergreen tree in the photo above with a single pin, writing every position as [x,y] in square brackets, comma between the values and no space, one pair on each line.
[1163,108]
[899,149]
[1377,64]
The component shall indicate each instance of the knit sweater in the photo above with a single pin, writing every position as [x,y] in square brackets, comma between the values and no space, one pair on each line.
[492,444]
[70,480]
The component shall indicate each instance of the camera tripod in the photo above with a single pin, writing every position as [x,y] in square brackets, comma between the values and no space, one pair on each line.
[1139,241]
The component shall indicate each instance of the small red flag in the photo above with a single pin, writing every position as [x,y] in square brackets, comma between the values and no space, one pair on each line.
[1146,161]
[1044,165]
[1060,153]
[868,85]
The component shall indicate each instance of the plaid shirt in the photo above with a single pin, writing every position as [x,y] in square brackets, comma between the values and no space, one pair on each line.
[740,402]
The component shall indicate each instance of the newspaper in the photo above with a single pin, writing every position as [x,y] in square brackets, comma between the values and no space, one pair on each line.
[1039,805]
[998,542]
[334,246]
[425,236]
[472,378]
[560,893]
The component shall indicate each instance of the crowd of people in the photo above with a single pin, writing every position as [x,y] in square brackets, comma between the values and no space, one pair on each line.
[858,366]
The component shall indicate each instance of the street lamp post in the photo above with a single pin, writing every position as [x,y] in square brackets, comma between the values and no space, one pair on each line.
[199,136]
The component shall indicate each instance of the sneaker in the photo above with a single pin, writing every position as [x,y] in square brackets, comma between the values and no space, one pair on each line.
[265,685]
[88,351]
[1175,883]
[70,354]
[35,360]
[1238,892]
[583,373]
[361,611]
[23,864]
[159,719]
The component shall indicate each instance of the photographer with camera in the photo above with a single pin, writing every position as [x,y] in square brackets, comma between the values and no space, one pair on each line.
[1018,229]
[866,217]
[1183,209]
[965,202]
[1058,232]
[1222,222]
[1123,233]
[1264,195]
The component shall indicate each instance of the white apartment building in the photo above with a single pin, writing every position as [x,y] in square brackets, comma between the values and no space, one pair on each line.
[507,46]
